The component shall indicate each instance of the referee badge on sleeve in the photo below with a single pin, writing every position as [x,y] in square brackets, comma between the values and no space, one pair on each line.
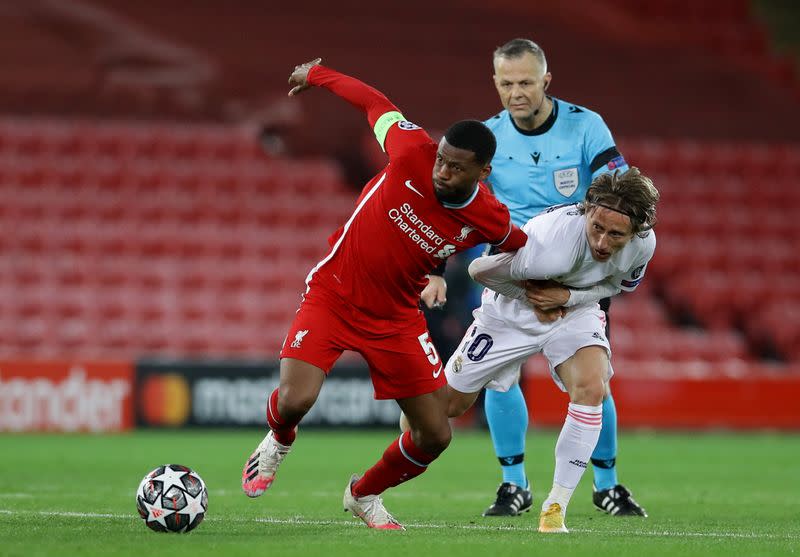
[566,181]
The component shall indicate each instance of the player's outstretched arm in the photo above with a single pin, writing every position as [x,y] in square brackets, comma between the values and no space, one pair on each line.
[356,92]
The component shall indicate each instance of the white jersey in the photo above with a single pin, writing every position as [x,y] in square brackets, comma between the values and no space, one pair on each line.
[558,249]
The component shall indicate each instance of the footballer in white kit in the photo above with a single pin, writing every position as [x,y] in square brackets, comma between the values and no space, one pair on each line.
[506,331]
[544,299]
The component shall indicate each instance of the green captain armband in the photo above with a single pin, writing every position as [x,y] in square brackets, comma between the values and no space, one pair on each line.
[383,124]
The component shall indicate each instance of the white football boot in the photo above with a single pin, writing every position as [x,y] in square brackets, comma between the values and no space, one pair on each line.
[259,470]
[369,508]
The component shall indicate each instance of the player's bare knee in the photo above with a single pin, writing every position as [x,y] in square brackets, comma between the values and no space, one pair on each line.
[588,392]
[293,402]
[433,441]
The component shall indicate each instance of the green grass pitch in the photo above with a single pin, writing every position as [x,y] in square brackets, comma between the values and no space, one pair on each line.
[707,494]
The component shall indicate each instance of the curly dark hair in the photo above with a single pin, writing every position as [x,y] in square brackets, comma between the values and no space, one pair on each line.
[473,135]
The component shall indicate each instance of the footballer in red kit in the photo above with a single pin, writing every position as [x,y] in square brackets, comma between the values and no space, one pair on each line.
[373,275]
[426,205]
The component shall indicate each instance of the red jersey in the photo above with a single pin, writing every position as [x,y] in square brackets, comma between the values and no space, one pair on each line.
[399,231]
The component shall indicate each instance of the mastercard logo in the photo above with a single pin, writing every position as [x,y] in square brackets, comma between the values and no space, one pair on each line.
[165,400]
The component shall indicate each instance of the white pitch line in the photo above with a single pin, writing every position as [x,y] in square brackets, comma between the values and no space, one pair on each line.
[68,514]
[476,527]
[468,495]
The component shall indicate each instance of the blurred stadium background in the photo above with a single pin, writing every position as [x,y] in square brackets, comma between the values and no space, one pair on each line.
[161,200]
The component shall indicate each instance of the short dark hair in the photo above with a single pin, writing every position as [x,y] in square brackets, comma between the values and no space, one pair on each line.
[515,48]
[630,193]
[474,136]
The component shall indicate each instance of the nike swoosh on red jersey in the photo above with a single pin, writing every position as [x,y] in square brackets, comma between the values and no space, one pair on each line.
[438,372]
[412,188]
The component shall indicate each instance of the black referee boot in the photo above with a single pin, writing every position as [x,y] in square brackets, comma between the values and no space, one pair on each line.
[617,501]
[512,500]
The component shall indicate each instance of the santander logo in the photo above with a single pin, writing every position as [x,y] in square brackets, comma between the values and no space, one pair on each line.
[70,404]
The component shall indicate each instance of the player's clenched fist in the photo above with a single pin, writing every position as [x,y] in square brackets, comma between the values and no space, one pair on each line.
[299,77]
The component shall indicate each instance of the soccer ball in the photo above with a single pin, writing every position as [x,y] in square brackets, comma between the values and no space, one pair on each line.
[172,498]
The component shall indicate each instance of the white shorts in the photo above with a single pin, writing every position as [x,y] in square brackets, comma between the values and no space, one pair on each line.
[492,352]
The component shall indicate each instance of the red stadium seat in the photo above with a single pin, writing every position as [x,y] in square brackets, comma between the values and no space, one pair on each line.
[127,239]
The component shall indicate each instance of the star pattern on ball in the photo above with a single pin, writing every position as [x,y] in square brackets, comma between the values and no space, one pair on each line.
[170,477]
[194,506]
[173,507]
[157,513]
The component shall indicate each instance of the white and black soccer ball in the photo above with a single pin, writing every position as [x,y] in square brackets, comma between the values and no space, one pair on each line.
[172,498]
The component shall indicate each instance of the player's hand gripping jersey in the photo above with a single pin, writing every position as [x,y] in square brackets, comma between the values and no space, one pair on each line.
[557,249]
[399,231]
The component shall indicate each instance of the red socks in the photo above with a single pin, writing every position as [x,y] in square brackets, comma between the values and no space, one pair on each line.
[284,432]
[400,462]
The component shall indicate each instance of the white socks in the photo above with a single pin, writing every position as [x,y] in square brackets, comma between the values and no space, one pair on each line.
[573,450]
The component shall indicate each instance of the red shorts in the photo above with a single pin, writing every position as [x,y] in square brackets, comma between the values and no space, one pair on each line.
[402,361]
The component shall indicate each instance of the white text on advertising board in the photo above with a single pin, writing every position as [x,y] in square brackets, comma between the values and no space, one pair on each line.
[72,404]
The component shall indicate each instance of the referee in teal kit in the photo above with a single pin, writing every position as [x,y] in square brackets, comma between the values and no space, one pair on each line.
[548,152]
